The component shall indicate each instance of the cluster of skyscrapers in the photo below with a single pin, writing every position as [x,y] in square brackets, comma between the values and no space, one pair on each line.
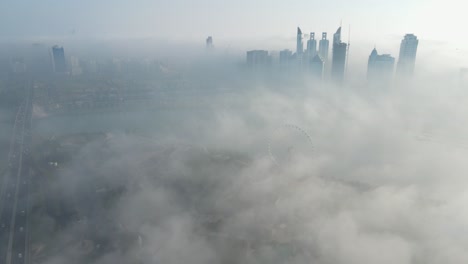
[316,61]
[314,58]
[380,67]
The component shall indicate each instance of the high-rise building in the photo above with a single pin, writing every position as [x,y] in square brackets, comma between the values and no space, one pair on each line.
[18,65]
[323,48]
[75,66]
[59,59]
[312,46]
[316,66]
[257,58]
[299,45]
[209,43]
[380,68]
[407,58]
[285,57]
[338,58]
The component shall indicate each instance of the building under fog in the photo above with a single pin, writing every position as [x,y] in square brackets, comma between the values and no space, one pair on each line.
[312,46]
[209,43]
[407,58]
[338,58]
[75,66]
[257,58]
[316,66]
[380,68]
[58,59]
[323,48]
[285,58]
[299,44]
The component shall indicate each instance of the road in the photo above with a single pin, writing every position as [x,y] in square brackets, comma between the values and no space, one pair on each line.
[14,191]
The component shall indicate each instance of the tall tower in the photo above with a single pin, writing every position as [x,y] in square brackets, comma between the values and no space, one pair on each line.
[380,69]
[323,47]
[58,56]
[258,58]
[407,58]
[338,58]
[312,46]
[299,45]
[316,67]
[285,57]
[209,43]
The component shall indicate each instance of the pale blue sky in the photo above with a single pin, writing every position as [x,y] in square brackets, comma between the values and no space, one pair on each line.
[179,19]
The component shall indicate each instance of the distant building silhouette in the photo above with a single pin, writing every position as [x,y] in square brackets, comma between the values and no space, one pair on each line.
[59,63]
[18,65]
[257,58]
[316,66]
[209,43]
[407,58]
[323,48]
[299,44]
[285,57]
[75,66]
[380,68]
[312,46]
[338,58]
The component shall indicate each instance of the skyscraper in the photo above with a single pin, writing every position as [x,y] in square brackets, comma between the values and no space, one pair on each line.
[380,68]
[407,58]
[338,58]
[285,57]
[316,67]
[312,46]
[323,48]
[257,58]
[209,43]
[75,66]
[299,45]
[58,55]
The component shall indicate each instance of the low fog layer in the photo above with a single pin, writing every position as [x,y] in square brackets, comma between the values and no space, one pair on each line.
[309,174]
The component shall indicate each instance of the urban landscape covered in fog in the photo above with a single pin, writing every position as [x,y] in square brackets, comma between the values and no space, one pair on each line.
[233,133]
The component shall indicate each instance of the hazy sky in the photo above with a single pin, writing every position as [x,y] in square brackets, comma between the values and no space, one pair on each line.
[180,19]
[245,24]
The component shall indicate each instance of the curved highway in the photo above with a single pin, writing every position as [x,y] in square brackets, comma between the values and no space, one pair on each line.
[14,191]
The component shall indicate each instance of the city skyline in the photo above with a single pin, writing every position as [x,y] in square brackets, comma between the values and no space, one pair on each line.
[183,24]
[452,57]
[380,68]
[309,58]
[212,132]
